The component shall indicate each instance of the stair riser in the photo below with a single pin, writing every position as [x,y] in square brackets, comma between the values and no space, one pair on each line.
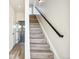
[38,36]
[35,29]
[38,41]
[35,32]
[34,26]
[39,48]
[40,45]
[42,55]
[34,23]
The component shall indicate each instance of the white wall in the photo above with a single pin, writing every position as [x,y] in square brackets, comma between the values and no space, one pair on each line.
[20,16]
[11,27]
[57,12]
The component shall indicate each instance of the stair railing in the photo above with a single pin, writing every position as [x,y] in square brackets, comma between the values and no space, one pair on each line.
[56,31]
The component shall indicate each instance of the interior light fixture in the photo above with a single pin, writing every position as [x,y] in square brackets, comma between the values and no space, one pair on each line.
[14,26]
[40,1]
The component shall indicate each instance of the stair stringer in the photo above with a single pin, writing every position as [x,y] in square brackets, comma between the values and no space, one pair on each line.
[52,48]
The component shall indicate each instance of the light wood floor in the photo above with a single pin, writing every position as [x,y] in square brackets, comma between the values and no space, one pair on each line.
[17,52]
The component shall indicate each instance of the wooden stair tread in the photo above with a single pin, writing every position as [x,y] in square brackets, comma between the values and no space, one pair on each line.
[39,47]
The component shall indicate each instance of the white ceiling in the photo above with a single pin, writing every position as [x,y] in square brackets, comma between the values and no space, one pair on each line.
[31,2]
[18,5]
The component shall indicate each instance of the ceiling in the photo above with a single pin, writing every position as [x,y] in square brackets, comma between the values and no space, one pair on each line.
[31,2]
[18,5]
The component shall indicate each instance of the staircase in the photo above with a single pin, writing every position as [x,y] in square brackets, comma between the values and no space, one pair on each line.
[38,44]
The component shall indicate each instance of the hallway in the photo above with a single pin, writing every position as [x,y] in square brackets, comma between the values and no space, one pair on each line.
[38,43]
[17,29]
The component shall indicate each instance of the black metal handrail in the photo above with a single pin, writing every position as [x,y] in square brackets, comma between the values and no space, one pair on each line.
[60,35]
